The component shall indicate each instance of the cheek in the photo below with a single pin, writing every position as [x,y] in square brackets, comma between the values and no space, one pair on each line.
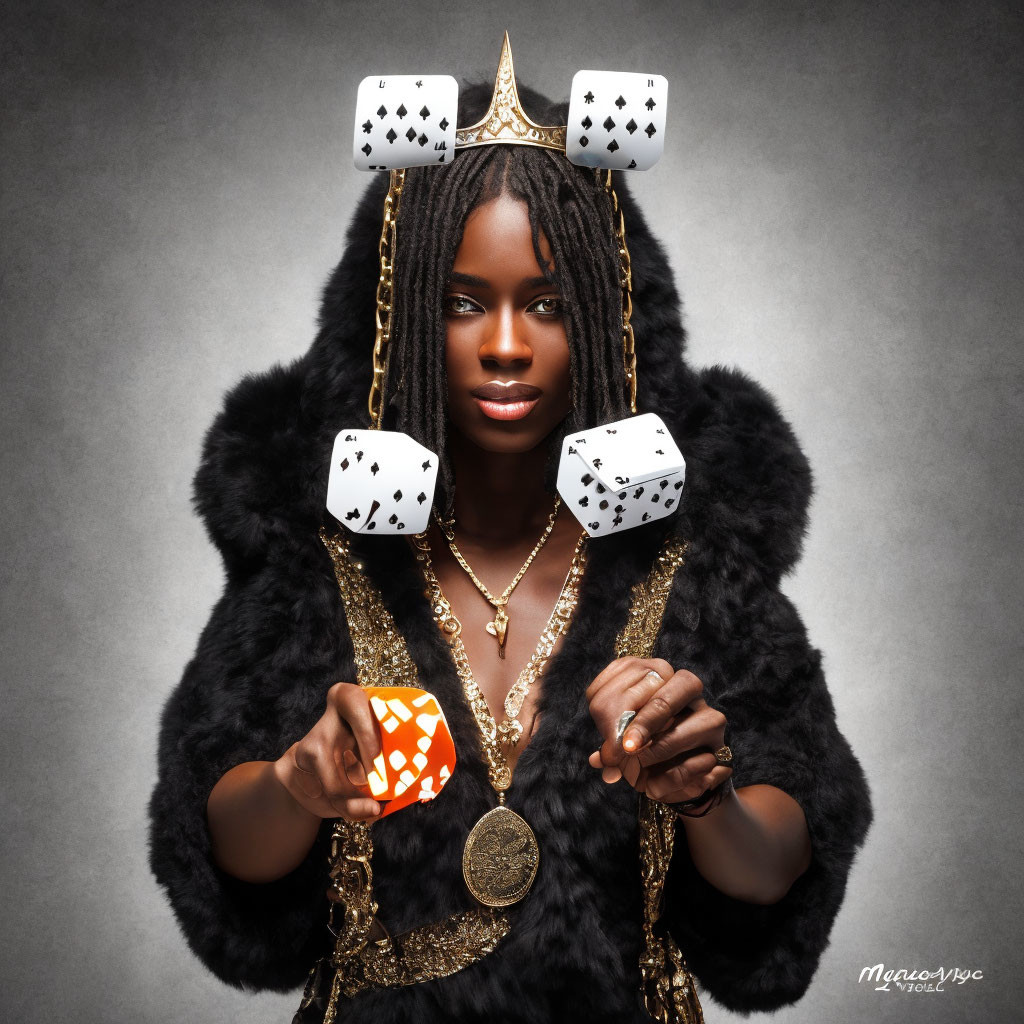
[562,371]
[459,349]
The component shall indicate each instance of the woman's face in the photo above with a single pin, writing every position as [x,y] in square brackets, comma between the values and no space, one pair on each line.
[507,354]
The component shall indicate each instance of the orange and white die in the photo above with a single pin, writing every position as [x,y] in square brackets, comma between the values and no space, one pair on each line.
[417,751]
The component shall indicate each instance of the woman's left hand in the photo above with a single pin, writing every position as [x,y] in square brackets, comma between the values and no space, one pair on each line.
[668,749]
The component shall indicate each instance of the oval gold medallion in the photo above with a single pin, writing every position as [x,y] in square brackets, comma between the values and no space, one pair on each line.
[500,858]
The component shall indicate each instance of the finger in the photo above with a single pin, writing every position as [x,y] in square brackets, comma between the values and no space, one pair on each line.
[349,800]
[634,773]
[692,731]
[621,666]
[310,773]
[353,769]
[629,692]
[661,708]
[353,707]
[677,783]
[695,763]
[361,809]
[305,776]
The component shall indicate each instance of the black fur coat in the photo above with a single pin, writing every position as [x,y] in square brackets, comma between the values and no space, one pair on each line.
[277,640]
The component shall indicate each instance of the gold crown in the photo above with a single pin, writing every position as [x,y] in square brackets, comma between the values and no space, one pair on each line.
[505,120]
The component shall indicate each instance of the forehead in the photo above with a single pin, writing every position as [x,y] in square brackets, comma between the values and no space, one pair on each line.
[497,237]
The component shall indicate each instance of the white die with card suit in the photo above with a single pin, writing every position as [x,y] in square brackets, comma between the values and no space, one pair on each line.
[616,120]
[621,474]
[381,481]
[405,121]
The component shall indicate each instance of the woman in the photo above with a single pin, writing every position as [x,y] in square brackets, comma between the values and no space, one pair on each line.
[507,266]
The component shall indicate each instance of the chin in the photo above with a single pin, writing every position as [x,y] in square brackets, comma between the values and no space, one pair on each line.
[505,438]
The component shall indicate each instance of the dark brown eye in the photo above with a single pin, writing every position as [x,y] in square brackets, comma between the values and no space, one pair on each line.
[549,306]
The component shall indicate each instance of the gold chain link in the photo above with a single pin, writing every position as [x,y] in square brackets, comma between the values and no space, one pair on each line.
[626,282]
[385,295]
[499,602]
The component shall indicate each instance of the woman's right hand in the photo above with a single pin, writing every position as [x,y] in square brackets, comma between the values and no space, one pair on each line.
[326,770]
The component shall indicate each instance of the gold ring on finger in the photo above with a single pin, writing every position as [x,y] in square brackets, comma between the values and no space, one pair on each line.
[723,755]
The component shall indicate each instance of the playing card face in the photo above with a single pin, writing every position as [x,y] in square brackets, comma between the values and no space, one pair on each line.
[417,751]
[381,481]
[405,121]
[616,120]
[621,474]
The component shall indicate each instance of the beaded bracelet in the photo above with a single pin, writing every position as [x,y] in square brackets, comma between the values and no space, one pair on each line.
[711,797]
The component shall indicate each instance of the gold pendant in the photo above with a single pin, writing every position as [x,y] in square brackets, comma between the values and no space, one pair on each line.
[498,628]
[510,731]
[500,858]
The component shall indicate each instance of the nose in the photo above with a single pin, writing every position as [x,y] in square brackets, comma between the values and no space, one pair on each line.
[505,344]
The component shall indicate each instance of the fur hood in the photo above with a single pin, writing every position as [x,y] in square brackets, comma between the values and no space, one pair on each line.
[277,640]
[265,460]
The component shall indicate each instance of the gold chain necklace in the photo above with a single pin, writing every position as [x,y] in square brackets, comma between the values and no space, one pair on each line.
[498,628]
[501,855]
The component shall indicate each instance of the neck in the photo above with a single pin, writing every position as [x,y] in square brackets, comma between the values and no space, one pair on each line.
[499,495]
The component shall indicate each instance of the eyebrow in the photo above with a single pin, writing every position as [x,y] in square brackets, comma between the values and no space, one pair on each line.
[482,282]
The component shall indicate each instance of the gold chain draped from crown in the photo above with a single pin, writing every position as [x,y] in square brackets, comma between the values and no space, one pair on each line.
[504,123]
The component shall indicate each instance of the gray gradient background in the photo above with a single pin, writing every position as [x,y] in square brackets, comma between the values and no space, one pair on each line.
[841,201]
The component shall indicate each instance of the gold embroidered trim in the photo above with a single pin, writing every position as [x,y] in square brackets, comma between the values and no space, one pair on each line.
[365,955]
[382,658]
[647,606]
[361,959]
[669,989]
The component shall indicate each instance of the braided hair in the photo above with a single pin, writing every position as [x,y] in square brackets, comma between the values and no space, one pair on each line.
[571,206]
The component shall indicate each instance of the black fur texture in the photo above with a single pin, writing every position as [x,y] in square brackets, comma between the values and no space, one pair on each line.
[277,640]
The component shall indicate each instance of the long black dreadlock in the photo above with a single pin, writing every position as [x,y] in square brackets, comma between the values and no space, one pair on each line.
[572,208]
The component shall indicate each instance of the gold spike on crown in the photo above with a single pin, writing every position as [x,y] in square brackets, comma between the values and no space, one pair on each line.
[505,120]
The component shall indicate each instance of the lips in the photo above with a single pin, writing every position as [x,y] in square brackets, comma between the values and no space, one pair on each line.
[510,401]
[494,391]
